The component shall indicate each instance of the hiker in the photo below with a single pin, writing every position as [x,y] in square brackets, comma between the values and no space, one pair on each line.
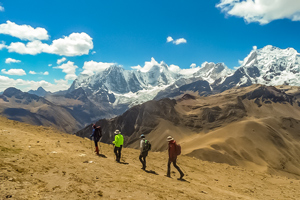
[173,156]
[145,146]
[119,140]
[97,134]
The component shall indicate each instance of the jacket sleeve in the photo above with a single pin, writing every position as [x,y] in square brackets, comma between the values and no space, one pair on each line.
[93,133]
[115,142]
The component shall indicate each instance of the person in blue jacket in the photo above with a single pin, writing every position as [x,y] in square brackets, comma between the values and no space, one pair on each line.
[97,134]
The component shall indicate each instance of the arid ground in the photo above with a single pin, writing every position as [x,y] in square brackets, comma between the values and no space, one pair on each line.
[41,163]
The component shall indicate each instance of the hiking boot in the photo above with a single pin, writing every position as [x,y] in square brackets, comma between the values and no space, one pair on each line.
[181,175]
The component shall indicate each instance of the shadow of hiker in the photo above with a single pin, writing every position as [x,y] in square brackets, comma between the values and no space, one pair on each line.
[183,180]
[151,172]
[123,163]
[102,155]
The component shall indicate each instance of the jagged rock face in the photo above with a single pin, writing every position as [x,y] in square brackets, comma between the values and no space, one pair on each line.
[39,92]
[182,86]
[268,94]
[268,66]
[32,109]
[140,119]
[117,86]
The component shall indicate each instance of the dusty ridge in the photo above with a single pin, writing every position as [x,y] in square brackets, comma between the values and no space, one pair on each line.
[42,163]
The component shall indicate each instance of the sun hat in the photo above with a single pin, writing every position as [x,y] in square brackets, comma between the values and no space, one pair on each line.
[169,138]
[117,132]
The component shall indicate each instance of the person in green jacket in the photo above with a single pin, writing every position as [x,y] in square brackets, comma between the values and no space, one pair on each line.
[119,140]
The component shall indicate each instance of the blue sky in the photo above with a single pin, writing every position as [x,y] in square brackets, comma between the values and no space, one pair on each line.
[34,35]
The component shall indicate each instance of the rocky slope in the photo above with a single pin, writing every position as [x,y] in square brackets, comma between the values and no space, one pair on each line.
[41,163]
[237,127]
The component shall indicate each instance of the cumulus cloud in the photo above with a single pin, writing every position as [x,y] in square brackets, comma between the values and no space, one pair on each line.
[193,65]
[11,60]
[41,73]
[1,9]
[90,67]
[26,85]
[76,44]
[23,32]
[93,52]
[174,68]
[138,67]
[169,39]
[49,65]
[18,72]
[177,42]
[63,59]
[69,68]
[261,11]
[2,45]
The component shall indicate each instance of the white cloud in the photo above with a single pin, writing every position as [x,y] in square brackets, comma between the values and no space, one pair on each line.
[26,85]
[169,39]
[174,68]
[93,52]
[138,67]
[32,48]
[41,73]
[76,44]
[177,42]
[240,62]
[1,9]
[18,72]
[11,60]
[63,59]
[262,11]
[49,65]
[69,68]
[90,67]
[254,47]
[24,32]
[2,45]
[193,65]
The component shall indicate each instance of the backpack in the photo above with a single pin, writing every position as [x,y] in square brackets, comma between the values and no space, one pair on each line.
[98,133]
[178,149]
[147,146]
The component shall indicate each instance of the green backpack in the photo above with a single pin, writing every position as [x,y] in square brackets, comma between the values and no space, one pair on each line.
[147,146]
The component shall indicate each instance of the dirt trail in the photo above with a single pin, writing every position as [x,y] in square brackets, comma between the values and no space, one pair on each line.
[41,163]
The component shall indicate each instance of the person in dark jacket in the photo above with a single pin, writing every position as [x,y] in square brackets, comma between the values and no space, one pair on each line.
[97,134]
[144,152]
[172,157]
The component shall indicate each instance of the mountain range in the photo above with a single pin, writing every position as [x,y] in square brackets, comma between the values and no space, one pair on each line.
[112,91]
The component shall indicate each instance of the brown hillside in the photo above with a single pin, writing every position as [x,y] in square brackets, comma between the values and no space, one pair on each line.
[257,127]
[41,163]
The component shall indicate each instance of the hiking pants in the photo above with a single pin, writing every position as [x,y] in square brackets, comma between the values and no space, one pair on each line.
[96,143]
[96,140]
[142,158]
[175,165]
[117,151]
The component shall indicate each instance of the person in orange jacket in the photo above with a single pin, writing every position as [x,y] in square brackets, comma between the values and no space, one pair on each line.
[172,156]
